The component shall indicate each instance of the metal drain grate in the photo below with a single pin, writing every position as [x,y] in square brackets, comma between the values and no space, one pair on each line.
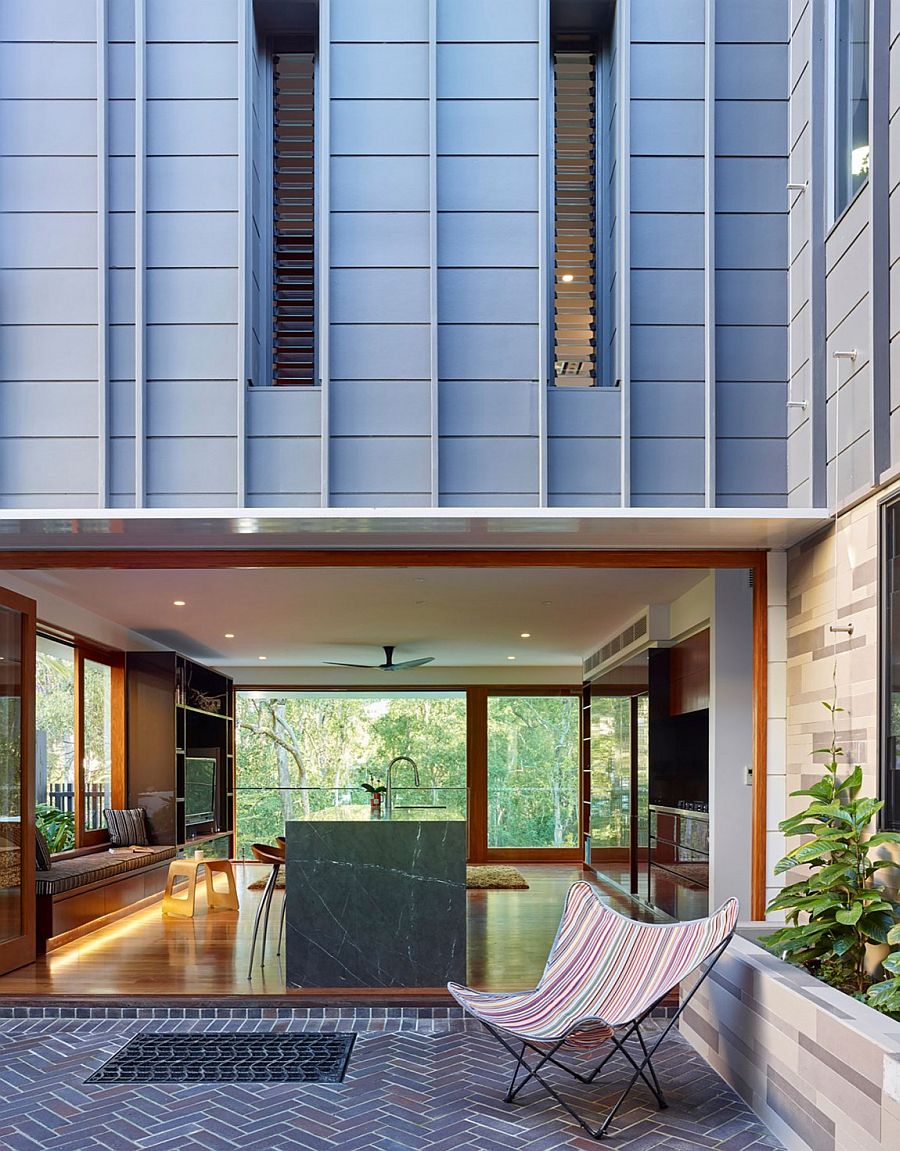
[229,1057]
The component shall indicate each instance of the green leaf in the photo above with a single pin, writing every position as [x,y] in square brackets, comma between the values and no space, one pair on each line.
[820,790]
[865,809]
[892,963]
[894,934]
[883,837]
[850,915]
[844,944]
[853,780]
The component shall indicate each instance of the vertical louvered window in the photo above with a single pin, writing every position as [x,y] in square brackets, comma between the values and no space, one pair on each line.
[574,294]
[293,258]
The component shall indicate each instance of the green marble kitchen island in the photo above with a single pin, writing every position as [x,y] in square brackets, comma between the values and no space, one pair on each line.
[376,901]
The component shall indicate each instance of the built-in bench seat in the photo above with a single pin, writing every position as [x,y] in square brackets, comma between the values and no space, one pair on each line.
[85,891]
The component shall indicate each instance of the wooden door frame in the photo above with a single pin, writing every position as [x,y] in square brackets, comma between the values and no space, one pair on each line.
[20,950]
[209,558]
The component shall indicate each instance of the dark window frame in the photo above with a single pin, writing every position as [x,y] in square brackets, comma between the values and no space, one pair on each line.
[889,550]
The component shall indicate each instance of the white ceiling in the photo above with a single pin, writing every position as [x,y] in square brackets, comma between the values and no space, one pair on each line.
[464,617]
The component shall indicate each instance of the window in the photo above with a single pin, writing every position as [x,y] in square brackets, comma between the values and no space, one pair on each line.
[890,647]
[79,704]
[851,100]
[574,288]
[293,207]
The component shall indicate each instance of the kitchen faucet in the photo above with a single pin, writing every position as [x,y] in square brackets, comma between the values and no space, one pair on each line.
[389,796]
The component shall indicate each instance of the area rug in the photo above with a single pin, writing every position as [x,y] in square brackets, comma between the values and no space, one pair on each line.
[495,876]
[259,884]
[229,1057]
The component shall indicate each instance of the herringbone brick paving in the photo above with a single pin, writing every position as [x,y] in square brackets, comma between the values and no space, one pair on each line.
[429,1084]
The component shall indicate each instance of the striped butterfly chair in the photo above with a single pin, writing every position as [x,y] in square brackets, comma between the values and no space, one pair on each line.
[604,976]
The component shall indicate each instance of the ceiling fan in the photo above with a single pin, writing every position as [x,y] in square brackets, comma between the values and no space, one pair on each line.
[388,664]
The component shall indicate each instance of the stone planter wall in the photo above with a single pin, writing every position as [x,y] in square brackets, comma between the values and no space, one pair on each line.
[819,1068]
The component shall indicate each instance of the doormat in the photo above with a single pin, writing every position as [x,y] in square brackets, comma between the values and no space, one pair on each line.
[229,1057]
[495,876]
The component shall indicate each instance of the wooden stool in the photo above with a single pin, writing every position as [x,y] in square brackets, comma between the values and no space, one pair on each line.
[216,898]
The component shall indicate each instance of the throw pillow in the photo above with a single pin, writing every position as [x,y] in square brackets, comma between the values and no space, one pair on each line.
[42,859]
[127,826]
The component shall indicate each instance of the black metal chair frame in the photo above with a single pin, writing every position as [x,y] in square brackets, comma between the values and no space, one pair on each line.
[641,1065]
[262,912]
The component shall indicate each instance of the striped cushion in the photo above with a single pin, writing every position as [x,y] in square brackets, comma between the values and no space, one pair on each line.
[42,860]
[69,874]
[127,826]
[604,971]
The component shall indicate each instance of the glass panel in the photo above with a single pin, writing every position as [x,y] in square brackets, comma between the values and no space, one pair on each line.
[11,822]
[97,763]
[643,795]
[533,771]
[851,100]
[610,770]
[55,746]
[302,754]
[891,767]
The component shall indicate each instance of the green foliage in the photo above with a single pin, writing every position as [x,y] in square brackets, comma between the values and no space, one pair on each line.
[58,827]
[835,910]
[885,996]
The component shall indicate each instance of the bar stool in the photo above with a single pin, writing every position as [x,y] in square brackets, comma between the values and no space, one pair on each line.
[273,855]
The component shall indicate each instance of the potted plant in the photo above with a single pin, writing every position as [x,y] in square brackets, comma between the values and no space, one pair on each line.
[836,912]
[376,790]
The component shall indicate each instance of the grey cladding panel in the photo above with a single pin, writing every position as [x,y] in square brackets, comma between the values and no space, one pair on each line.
[379,184]
[203,20]
[488,295]
[48,353]
[284,464]
[67,408]
[585,466]
[751,128]
[48,240]
[192,352]
[48,127]
[751,467]
[488,127]
[284,411]
[751,353]
[500,20]
[751,71]
[487,71]
[667,410]
[379,71]
[751,297]
[380,407]
[188,239]
[192,71]
[192,296]
[192,183]
[488,407]
[379,20]
[744,241]
[198,408]
[667,20]
[667,127]
[379,295]
[369,466]
[666,184]
[48,184]
[666,240]
[36,466]
[488,239]
[48,71]
[584,411]
[667,353]
[489,464]
[379,127]
[187,127]
[380,352]
[667,297]
[39,296]
[667,71]
[487,183]
[58,20]
[753,410]
[667,465]
[751,185]
[373,239]
[748,20]
[488,351]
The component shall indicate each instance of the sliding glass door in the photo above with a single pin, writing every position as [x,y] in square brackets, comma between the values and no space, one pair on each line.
[533,775]
[17,938]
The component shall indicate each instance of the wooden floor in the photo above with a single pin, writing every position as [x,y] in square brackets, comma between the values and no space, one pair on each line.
[148,954]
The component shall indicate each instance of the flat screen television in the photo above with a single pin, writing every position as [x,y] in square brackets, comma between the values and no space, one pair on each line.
[200,771]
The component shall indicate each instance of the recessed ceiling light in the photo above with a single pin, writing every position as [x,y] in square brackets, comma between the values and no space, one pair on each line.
[526,635]
[229,635]
[178,602]
[510,657]
[546,602]
[262,657]
[420,579]
[567,278]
